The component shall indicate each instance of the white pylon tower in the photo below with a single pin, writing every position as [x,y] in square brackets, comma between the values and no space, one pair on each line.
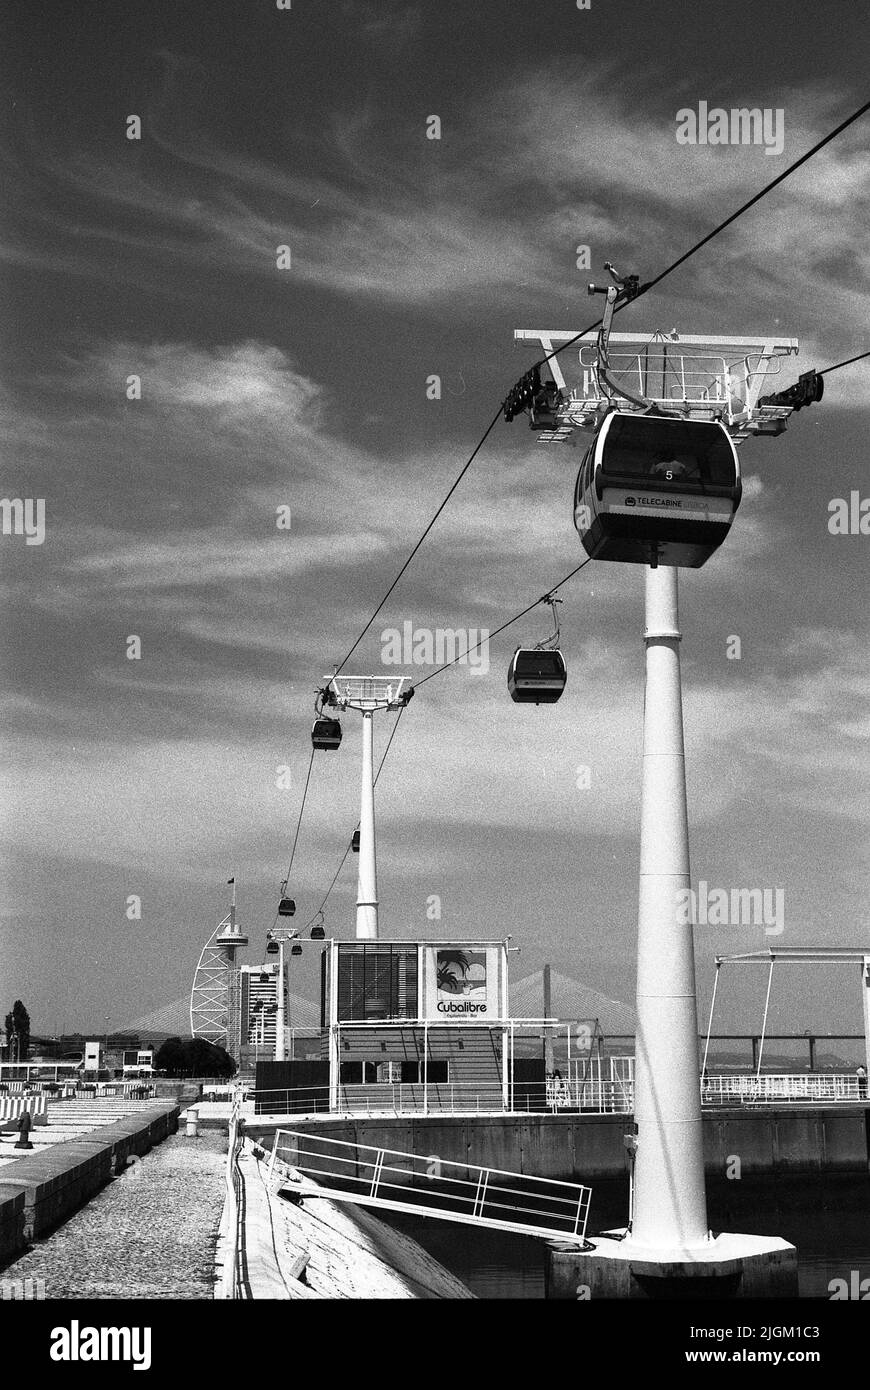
[670,1205]
[368,694]
[710,380]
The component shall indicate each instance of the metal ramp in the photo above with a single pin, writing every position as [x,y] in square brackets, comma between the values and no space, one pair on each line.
[318,1166]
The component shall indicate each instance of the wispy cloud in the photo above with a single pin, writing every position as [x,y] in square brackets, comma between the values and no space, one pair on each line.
[374,211]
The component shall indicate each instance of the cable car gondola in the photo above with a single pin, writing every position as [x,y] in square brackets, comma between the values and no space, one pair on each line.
[326,732]
[354,842]
[286,907]
[657,490]
[272,948]
[536,676]
[296,949]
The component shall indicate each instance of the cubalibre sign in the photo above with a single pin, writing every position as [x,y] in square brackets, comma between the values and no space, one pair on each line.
[462,983]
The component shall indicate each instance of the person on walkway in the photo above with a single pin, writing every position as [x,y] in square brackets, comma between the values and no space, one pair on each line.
[862,1083]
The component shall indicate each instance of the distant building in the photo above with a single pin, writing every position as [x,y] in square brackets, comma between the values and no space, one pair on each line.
[258,1011]
[429,1016]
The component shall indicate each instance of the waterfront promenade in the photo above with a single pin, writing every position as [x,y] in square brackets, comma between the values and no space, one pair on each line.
[148,1234]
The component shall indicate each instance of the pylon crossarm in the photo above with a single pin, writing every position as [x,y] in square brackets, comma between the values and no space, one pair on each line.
[695,376]
[368,693]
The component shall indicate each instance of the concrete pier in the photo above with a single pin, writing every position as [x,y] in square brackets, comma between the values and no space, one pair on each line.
[728,1266]
[590,1148]
[42,1189]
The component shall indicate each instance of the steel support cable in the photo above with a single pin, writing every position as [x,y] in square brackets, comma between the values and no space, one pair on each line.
[768,188]
[848,362]
[299,821]
[296,836]
[642,290]
[515,619]
[465,467]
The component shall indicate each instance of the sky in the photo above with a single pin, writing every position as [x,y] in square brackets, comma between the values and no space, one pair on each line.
[305,387]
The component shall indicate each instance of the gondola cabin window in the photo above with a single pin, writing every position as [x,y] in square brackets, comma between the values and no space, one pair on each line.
[689,454]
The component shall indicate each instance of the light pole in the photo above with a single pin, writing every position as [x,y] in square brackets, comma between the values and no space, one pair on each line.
[279,1022]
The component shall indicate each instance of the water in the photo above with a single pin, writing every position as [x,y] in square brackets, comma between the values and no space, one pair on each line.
[828,1220]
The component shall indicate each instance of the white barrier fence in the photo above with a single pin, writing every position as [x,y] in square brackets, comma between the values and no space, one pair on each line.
[13,1107]
[833,1087]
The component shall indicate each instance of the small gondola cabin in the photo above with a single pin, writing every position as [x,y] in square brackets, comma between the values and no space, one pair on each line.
[326,732]
[536,676]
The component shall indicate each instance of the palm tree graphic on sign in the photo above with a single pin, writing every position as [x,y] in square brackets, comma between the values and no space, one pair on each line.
[461,972]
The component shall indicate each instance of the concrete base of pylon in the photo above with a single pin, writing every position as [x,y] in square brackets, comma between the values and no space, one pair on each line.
[724,1267]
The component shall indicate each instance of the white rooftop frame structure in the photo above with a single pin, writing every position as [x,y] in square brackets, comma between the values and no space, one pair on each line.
[798,955]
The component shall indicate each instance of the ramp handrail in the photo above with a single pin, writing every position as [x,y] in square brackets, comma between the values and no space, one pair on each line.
[493,1197]
[230,1283]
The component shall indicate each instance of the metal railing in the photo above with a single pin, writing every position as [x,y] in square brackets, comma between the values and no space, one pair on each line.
[404,1098]
[431,1186]
[818,1087]
[555,1096]
[230,1282]
[64,1090]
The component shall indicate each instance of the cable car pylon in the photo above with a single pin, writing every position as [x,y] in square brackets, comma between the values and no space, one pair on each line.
[367,694]
[661,483]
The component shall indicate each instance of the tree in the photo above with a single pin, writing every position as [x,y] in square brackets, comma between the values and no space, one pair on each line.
[18,1032]
[193,1057]
[168,1058]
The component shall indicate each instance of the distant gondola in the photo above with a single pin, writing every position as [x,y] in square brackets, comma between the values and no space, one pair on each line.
[354,842]
[272,948]
[286,907]
[296,949]
[326,732]
[537,675]
[657,490]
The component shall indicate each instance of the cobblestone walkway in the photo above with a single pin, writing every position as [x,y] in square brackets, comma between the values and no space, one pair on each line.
[149,1234]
